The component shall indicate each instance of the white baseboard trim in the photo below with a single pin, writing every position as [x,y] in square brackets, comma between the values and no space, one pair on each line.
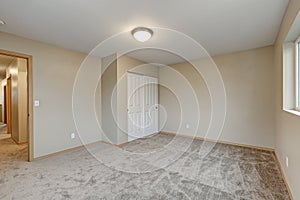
[283,176]
[219,141]
[65,151]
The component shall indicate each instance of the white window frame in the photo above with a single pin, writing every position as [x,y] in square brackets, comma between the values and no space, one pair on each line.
[297,68]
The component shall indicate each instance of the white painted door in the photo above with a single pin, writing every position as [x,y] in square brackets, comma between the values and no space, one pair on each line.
[142,106]
[135,106]
[150,106]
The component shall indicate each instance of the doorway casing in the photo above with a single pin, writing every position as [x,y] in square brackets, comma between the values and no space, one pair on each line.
[29,96]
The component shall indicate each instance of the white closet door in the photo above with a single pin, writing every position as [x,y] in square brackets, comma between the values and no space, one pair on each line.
[142,94]
[135,106]
[150,106]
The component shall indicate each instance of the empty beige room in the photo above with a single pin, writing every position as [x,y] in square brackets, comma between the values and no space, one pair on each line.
[150,99]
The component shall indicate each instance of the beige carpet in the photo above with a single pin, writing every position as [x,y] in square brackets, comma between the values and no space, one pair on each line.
[3,132]
[150,168]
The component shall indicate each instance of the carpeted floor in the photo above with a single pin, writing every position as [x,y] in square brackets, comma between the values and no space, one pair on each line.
[160,167]
[3,132]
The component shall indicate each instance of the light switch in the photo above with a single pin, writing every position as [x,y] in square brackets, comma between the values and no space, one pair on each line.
[36,103]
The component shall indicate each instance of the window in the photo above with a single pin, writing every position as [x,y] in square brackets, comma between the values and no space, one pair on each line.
[297,78]
[291,70]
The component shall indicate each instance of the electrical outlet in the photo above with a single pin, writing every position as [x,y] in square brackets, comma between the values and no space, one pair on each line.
[187,126]
[287,161]
[72,135]
[36,103]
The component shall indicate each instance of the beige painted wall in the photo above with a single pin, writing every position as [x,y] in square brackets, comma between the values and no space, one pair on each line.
[108,104]
[22,101]
[86,100]
[177,100]
[248,78]
[12,71]
[287,124]
[54,72]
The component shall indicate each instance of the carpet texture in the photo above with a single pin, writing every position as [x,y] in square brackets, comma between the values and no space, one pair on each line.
[159,167]
[3,132]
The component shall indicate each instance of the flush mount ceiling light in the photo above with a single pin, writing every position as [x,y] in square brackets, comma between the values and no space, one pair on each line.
[142,34]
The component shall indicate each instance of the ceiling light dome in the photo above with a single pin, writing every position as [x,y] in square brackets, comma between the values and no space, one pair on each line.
[142,34]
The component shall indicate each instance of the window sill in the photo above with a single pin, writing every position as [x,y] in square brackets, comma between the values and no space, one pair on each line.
[294,112]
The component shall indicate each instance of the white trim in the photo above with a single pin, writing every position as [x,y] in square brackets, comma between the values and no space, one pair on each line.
[297,95]
[294,112]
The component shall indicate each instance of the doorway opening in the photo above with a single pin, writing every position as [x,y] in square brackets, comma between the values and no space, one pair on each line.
[16,135]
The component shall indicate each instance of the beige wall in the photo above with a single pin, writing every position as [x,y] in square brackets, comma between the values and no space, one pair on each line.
[108,82]
[86,100]
[54,72]
[12,71]
[248,78]
[288,125]
[22,101]
[178,102]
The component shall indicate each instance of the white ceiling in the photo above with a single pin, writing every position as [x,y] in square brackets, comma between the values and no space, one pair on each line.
[220,26]
[156,56]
